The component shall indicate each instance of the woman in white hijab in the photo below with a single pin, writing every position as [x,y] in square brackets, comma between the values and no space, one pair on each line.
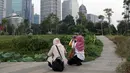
[53,53]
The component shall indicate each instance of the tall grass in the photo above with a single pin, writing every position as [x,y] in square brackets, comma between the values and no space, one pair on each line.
[123,50]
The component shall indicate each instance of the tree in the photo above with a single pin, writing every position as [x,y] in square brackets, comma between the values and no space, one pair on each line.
[10,29]
[90,26]
[22,29]
[109,12]
[104,28]
[62,28]
[45,26]
[113,30]
[36,29]
[127,14]
[121,27]
[101,17]
[82,19]
[50,24]
[5,23]
[69,20]
[26,25]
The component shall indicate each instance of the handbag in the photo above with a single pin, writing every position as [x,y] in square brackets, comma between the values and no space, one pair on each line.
[58,64]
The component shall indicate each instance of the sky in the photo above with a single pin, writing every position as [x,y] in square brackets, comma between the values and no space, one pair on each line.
[96,7]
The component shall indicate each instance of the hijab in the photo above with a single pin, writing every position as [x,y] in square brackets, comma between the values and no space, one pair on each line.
[80,43]
[56,41]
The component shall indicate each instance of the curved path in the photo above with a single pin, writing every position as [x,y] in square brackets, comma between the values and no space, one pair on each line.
[107,63]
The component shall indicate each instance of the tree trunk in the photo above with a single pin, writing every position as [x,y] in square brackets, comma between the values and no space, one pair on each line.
[109,20]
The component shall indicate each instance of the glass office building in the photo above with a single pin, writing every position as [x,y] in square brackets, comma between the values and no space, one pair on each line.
[23,8]
[17,7]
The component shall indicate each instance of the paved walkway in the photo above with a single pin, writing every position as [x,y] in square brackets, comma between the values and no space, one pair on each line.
[107,63]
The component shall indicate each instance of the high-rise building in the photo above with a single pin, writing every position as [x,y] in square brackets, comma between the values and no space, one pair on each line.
[66,9]
[23,8]
[36,19]
[17,7]
[1,9]
[93,18]
[50,6]
[7,8]
[32,13]
[27,9]
[70,7]
[83,10]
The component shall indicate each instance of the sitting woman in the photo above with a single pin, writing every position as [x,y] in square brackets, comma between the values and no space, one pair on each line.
[53,53]
[79,51]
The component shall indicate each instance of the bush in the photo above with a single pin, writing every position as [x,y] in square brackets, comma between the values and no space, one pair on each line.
[93,47]
[94,50]
[31,48]
[27,44]
[7,44]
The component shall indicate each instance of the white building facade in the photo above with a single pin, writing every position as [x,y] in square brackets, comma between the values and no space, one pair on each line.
[70,7]
[7,11]
[93,18]
[1,9]
[50,6]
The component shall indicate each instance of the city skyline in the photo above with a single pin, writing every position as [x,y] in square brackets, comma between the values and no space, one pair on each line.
[96,7]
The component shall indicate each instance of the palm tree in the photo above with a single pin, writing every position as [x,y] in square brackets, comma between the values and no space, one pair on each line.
[101,17]
[109,12]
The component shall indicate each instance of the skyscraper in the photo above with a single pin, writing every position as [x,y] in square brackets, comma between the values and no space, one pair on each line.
[7,8]
[23,8]
[70,7]
[66,9]
[50,6]
[36,19]
[32,14]
[83,10]
[1,9]
[27,9]
[17,7]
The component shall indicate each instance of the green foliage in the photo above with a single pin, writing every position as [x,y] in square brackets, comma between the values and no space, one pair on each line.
[34,48]
[29,44]
[40,57]
[122,27]
[69,20]
[93,46]
[16,57]
[128,58]
[27,59]
[50,24]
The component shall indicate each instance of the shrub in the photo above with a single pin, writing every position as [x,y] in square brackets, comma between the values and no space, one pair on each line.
[27,44]
[93,50]
[31,48]
[6,44]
